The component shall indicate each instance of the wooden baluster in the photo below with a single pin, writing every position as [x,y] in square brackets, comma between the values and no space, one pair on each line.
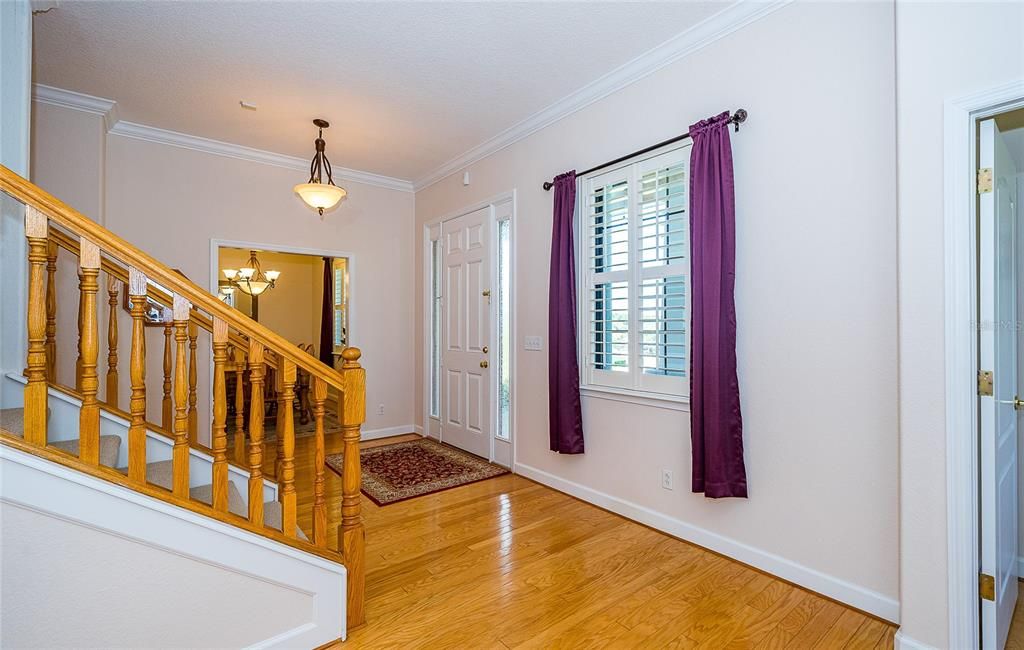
[166,406]
[51,311]
[35,363]
[279,394]
[256,372]
[89,428]
[219,440]
[78,361]
[113,289]
[240,449]
[193,376]
[351,534]
[180,452]
[286,436]
[319,390]
[137,372]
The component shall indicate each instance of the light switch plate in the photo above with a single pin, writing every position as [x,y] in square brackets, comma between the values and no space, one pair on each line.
[533,343]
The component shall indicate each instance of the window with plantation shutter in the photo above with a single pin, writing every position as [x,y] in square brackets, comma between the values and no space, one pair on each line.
[635,265]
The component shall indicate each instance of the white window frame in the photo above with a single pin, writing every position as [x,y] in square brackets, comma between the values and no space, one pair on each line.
[633,386]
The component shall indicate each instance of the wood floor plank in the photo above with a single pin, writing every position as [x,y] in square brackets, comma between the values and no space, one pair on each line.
[508,563]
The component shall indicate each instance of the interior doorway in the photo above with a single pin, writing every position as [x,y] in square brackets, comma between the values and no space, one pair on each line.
[999,148]
[469,329]
[984,291]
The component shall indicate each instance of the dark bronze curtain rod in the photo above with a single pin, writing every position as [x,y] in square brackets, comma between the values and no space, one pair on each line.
[738,117]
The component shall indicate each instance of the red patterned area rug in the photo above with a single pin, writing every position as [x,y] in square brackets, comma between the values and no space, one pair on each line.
[393,473]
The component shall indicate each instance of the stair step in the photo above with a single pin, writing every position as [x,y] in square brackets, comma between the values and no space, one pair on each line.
[13,421]
[158,473]
[161,473]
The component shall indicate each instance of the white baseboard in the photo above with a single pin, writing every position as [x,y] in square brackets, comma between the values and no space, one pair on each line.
[854,595]
[374,434]
[903,642]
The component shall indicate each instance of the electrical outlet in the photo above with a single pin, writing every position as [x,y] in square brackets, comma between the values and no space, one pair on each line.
[380,409]
[533,343]
[667,479]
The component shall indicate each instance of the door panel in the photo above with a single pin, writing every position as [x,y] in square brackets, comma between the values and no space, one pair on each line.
[997,295]
[467,268]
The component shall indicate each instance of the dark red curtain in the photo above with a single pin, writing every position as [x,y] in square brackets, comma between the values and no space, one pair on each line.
[564,412]
[326,348]
[716,425]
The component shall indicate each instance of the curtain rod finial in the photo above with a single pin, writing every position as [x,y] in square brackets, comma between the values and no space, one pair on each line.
[548,185]
[739,116]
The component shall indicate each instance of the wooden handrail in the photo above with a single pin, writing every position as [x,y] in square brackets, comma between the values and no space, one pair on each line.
[119,272]
[55,209]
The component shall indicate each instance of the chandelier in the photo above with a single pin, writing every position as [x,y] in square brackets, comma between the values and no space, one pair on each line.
[316,193]
[251,279]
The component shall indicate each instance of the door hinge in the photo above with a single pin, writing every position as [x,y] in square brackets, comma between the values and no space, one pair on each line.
[985,383]
[984,180]
[987,587]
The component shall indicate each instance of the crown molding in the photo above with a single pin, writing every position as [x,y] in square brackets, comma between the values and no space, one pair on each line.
[241,152]
[723,23]
[108,110]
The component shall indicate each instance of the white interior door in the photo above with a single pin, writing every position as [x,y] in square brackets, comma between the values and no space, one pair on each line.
[997,296]
[466,328]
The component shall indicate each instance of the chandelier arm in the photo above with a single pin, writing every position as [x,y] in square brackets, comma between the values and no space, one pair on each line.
[330,177]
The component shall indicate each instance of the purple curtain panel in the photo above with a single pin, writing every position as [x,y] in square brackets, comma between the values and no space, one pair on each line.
[326,351]
[564,412]
[716,426]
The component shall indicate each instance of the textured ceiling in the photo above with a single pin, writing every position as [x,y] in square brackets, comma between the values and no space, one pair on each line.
[406,86]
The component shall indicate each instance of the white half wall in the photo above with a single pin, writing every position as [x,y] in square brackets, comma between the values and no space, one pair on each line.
[816,298]
[87,563]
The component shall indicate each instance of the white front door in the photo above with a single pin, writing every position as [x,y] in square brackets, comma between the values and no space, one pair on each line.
[997,299]
[466,328]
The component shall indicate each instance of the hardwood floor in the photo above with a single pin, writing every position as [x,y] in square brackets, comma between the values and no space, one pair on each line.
[1015,640]
[509,563]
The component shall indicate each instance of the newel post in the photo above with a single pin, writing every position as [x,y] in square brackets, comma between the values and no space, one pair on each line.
[352,536]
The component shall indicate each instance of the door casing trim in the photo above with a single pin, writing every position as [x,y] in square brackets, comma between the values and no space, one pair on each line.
[961,359]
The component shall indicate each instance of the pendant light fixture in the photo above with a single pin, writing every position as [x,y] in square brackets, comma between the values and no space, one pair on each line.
[250,279]
[317,193]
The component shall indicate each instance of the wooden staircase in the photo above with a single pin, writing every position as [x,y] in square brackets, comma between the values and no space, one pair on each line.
[240,348]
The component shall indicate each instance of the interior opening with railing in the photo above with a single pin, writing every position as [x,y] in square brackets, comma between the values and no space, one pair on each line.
[164,457]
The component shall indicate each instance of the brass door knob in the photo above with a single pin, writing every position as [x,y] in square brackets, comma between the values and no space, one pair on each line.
[484,350]
[484,364]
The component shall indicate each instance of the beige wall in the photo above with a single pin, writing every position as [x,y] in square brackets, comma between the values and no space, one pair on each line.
[944,51]
[172,202]
[816,293]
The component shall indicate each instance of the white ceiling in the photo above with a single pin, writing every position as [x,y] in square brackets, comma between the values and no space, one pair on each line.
[407,86]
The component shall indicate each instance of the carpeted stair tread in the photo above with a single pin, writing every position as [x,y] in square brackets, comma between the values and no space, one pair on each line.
[12,420]
[110,447]
[272,518]
[161,472]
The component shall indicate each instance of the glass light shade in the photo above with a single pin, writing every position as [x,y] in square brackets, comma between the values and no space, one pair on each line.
[227,291]
[256,288]
[320,195]
[273,275]
[246,273]
[230,273]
